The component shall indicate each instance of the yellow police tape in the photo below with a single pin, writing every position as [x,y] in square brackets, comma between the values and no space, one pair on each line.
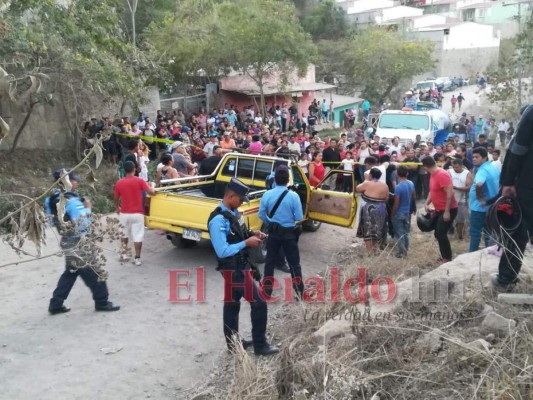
[170,141]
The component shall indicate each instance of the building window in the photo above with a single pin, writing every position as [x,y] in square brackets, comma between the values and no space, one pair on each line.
[469,14]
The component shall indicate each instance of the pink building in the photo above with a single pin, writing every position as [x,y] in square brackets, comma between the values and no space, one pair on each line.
[241,91]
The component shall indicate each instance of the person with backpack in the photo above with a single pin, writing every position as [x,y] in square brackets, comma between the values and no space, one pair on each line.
[130,155]
[74,226]
[281,209]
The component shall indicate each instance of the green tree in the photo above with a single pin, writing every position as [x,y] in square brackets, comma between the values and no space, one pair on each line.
[378,59]
[81,47]
[326,21]
[511,82]
[257,38]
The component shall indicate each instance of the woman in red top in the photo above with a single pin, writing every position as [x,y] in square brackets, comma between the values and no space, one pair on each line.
[316,169]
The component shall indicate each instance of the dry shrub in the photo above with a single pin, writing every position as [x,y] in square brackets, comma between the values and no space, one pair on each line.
[419,358]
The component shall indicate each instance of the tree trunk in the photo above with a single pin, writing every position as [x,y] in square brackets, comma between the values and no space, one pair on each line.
[262,93]
[387,92]
[123,107]
[23,125]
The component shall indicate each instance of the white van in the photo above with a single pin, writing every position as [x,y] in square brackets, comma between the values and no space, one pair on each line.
[426,85]
[431,125]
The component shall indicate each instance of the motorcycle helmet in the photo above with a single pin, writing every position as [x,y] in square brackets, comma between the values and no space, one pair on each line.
[503,217]
[426,222]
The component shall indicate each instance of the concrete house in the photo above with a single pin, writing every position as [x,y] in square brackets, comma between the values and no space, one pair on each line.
[241,91]
[462,49]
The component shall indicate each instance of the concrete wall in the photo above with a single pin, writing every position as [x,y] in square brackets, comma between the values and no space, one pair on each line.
[466,62]
[48,129]
[471,35]
[467,49]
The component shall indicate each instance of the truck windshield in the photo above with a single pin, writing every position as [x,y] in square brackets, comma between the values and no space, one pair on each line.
[404,121]
[425,85]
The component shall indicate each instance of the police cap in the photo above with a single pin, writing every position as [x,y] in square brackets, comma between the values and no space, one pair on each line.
[236,186]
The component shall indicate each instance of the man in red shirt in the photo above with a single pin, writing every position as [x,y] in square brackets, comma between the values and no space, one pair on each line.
[130,209]
[442,196]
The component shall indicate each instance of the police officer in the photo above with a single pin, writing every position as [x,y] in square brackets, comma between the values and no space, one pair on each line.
[77,212]
[281,209]
[231,240]
[516,180]
[270,183]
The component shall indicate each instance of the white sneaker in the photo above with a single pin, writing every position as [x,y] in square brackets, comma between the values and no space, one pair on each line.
[137,261]
[124,258]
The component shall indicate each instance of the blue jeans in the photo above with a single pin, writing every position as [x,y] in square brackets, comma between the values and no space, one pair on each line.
[477,227]
[402,227]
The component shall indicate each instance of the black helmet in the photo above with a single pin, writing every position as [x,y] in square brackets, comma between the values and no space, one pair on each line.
[504,215]
[426,222]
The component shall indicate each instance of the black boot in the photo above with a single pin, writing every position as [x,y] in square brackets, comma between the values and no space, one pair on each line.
[266,350]
[60,310]
[108,307]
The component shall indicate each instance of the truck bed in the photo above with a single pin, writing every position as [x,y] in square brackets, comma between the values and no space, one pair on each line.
[177,208]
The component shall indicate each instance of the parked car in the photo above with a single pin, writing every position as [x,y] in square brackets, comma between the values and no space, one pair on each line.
[445,84]
[460,82]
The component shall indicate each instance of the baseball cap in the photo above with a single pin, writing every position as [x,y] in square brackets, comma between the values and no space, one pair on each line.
[227,133]
[408,93]
[177,144]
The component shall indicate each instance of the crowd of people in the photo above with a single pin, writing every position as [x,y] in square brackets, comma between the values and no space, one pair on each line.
[392,175]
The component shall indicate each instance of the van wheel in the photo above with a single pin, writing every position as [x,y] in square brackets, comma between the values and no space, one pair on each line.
[311,225]
[178,241]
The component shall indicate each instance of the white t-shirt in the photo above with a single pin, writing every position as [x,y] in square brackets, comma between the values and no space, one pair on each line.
[303,164]
[363,154]
[497,164]
[503,126]
[394,148]
[294,147]
[208,148]
[383,168]
[143,161]
[459,180]
[348,165]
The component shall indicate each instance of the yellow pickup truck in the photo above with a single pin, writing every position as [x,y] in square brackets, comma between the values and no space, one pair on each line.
[182,209]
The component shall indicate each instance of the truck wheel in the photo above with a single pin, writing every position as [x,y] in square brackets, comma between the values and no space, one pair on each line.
[311,225]
[178,241]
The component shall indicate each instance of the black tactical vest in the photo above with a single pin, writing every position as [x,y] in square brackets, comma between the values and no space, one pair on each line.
[238,233]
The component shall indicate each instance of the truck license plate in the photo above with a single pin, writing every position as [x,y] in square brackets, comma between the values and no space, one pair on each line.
[192,234]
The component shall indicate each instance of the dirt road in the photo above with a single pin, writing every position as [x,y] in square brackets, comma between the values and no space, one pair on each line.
[162,348]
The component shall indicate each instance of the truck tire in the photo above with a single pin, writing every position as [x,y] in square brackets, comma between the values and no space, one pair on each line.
[178,241]
[311,225]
